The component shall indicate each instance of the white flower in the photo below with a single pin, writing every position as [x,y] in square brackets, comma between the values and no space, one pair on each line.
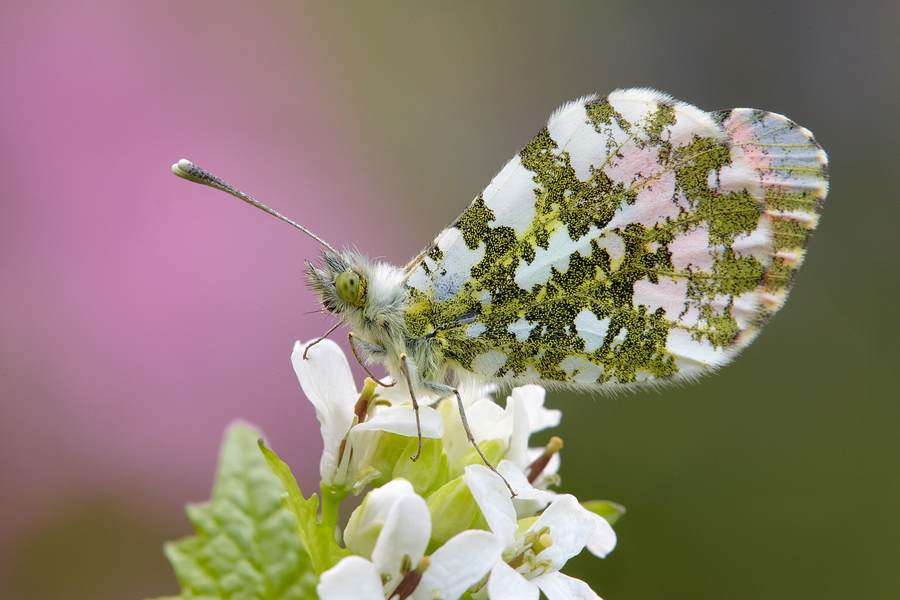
[394,510]
[390,531]
[352,577]
[531,560]
[327,381]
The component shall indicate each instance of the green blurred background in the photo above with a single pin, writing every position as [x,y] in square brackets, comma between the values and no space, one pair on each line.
[375,123]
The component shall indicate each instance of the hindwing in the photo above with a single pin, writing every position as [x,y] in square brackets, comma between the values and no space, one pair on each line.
[634,239]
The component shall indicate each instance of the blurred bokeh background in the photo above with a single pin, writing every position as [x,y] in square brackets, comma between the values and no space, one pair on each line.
[141,314]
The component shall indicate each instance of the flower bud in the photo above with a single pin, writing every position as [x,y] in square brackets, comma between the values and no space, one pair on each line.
[453,509]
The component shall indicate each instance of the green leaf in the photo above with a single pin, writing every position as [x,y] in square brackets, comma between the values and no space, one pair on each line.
[319,539]
[246,544]
[606,509]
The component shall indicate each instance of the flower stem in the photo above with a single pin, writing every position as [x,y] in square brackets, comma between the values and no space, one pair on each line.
[331,502]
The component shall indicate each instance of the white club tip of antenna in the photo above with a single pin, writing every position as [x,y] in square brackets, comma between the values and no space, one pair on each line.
[183,168]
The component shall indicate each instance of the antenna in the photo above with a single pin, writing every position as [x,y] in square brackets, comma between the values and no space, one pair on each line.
[188,170]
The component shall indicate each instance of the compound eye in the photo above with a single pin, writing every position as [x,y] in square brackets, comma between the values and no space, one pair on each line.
[350,287]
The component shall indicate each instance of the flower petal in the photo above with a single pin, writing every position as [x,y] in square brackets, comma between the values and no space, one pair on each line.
[571,526]
[603,540]
[353,577]
[557,586]
[529,500]
[532,398]
[404,536]
[459,564]
[402,421]
[488,421]
[517,450]
[493,499]
[506,583]
[328,384]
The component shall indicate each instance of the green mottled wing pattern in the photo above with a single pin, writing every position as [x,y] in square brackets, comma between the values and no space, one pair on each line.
[634,239]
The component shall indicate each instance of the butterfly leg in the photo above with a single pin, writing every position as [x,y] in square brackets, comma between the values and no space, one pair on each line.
[445,391]
[415,403]
[327,333]
[371,349]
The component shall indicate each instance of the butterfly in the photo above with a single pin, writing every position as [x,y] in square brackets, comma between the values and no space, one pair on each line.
[636,240]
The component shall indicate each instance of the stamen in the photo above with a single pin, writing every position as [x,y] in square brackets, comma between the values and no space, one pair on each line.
[409,583]
[537,467]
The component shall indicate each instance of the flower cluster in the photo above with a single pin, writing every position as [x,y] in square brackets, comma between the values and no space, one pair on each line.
[443,525]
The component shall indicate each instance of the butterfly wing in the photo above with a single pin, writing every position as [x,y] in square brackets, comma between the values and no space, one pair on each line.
[634,239]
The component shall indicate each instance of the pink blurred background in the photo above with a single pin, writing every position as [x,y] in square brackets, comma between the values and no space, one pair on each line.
[141,313]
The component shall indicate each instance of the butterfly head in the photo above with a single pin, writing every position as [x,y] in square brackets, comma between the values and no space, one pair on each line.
[369,296]
[340,284]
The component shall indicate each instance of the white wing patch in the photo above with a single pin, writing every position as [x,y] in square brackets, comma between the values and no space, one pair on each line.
[555,256]
[591,329]
[504,195]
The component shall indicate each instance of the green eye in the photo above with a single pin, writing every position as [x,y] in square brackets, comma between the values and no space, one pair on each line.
[350,287]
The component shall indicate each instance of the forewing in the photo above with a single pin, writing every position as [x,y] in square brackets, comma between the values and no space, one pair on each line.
[635,238]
